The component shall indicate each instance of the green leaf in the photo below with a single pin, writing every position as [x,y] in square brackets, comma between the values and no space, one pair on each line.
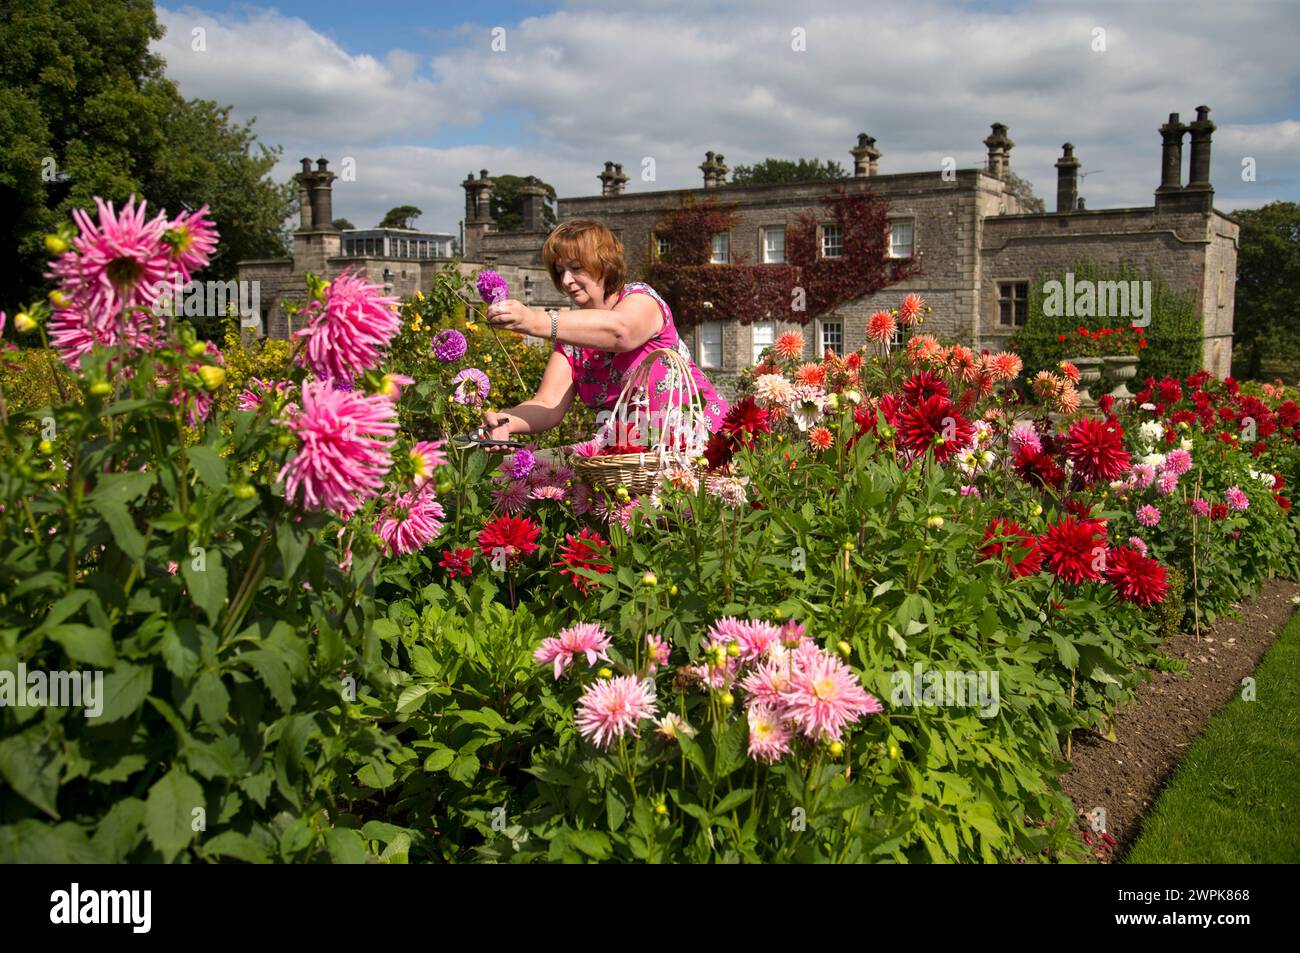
[464,768]
[85,644]
[208,465]
[594,844]
[169,812]
[1065,651]
[274,674]
[65,607]
[345,846]
[125,688]
[180,649]
[412,698]
[423,663]
[398,850]
[236,845]
[439,759]
[210,694]
[122,525]
[731,801]
[207,586]
[32,770]
[120,832]
[615,810]
[292,540]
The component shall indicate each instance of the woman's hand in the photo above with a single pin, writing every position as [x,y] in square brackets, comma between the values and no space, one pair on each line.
[497,427]
[513,315]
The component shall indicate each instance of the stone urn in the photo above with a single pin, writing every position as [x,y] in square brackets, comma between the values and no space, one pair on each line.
[1089,373]
[1122,368]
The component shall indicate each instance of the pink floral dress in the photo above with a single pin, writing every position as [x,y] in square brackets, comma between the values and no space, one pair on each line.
[600,375]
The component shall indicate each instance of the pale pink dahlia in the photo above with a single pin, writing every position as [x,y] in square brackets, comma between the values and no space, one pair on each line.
[344,448]
[1236,499]
[191,239]
[585,638]
[410,521]
[657,651]
[1148,516]
[769,735]
[824,697]
[767,680]
[348,333]
[427,455]
[1178,462]
[613,706]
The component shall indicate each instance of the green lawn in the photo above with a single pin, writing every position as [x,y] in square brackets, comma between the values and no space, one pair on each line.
[1234,798]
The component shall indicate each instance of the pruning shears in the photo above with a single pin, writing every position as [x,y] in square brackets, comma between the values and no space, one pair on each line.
[479,439]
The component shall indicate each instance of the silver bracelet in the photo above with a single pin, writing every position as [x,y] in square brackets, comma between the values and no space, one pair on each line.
[555,324]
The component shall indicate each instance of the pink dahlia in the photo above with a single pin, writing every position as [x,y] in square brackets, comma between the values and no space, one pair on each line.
[119,260]
[824,697]
[1236,499]
[767,680]
[191,241]
[1167,482]
[769,734]
[1178,462]
[347,334]
[1026,436]
[449,346]
[1148,516]
[1199,507]
[657,651]
[511,497]
[410,521]
[613,706]
[492,287]
[344,448]
[426,456]
[470,386]
[585,638]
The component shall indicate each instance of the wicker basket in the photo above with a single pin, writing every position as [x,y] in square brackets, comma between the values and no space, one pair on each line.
[642,472]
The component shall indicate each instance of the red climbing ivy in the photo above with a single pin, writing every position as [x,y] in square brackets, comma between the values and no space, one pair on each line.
[745,292]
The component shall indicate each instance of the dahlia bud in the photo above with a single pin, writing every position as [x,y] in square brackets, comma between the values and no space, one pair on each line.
[621,493]
[934,522]
[55,245]
[242,491]
[848,546]
[733,649]
[672,590]
[197,349]
[23,322]
[58,298]
[661,808]
[649,580]
[46,447]
[100,388]
[893,750]
[728,700]
[837,749]
[844,648]
[213,377]
[605,673]
[1036,511]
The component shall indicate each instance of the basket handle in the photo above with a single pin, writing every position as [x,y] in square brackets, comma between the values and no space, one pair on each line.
[683,397]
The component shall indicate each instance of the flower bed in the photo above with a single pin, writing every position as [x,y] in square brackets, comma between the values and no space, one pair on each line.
[861,628]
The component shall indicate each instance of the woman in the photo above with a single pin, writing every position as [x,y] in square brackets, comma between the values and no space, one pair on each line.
[596,346]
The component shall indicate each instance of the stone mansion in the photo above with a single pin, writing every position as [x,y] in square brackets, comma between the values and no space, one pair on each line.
[977,247]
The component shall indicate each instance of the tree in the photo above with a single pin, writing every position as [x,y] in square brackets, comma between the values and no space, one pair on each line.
[1266,317]
[771,171]
[403,216]
[1023,189]
[86,110]
[342,224]
[508,203]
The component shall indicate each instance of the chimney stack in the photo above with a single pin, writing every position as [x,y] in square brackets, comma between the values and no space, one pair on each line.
[534,194]
[1067,179]
[1171,154]
[478,212]
[865,155]
[612,179]
[715,171]
[322,197]
[304,196]
[999,146]
[1201,129]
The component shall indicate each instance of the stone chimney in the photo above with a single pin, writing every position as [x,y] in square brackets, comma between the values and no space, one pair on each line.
[1201,129]
[865,155]
[999,147]
[534,194]
[322,197]
[478,212]
[1067,179]
[304,196]
[715,171]
[612,179]
[1171,154]
[316,240]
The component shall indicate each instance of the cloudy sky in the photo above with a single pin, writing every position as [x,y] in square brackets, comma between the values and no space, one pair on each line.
[418,94]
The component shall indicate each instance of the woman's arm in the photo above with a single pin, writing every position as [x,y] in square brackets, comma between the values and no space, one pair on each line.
[634,320]
[546,410]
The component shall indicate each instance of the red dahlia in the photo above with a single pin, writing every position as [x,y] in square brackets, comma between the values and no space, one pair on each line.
[919,426]
[1219,511]
[584,551]
[457,562]
[1004,539]
[1170,392]
[1074,549]
[1136,578]
[924,384]
[516,536]
[1096,448]
[1037,468]
[744,420]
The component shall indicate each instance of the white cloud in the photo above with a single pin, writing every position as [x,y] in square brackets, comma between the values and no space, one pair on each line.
[672,79]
